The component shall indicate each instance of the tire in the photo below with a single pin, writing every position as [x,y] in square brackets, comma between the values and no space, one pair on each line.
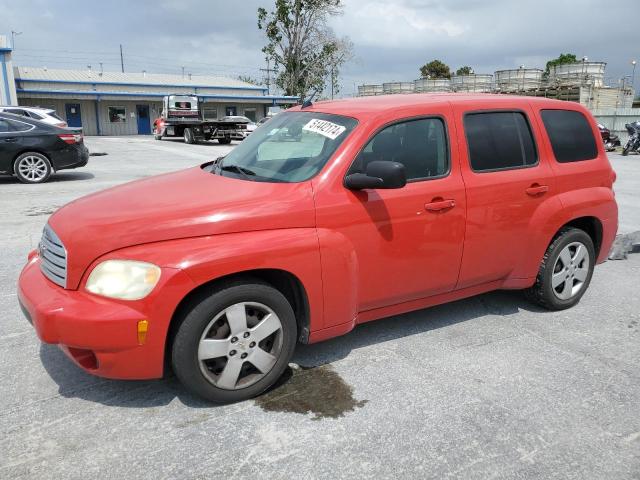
[224,375]
[156,135]
[224,141]
[188,136]
[32,167]
[568,263]
[625,150]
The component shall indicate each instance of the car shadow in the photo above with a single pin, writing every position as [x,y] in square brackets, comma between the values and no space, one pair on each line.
[56,177]
[75,383]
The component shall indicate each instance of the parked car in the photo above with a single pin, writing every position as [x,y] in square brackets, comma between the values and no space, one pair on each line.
[32,150]
[247,126]
[337,214]
[46,115]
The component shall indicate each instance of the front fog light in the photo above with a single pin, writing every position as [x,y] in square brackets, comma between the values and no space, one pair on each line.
[123,279]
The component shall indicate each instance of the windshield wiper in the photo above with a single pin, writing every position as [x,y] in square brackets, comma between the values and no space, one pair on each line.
[245,172]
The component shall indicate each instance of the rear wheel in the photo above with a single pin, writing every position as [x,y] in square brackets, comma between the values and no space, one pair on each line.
[236,343]
[188,136]
[224,141]
[32,167]
[565,271]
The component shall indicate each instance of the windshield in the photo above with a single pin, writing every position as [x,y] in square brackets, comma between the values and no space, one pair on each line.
[291,147]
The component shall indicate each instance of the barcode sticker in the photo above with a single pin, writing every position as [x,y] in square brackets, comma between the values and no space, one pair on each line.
[325,128]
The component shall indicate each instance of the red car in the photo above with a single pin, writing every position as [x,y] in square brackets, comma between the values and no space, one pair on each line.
[328,216]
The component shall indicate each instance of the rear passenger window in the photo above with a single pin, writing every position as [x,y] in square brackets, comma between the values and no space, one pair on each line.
[4,126]
[570,135]
[420,145]
[499,141]
[18,126]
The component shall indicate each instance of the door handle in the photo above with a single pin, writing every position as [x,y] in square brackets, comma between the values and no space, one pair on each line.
[536,189]
[438,205]
[11,139]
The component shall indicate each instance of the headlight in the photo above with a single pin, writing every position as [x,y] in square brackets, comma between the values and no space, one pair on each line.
[124,279]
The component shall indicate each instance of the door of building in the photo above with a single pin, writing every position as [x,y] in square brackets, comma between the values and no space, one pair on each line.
[74,117]
[144,126]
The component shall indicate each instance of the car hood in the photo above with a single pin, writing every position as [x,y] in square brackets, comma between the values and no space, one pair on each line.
[189,203]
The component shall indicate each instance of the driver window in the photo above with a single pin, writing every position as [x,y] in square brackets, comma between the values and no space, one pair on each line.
[420,145]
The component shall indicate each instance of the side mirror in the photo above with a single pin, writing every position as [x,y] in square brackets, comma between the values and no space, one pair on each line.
[380,174]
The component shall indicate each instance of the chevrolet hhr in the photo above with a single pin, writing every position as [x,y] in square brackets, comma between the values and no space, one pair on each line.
[327,216]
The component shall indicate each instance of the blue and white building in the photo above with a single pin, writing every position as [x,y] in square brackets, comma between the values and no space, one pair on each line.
[114,103]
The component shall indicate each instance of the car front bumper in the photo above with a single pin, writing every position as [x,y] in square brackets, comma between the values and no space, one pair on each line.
[99,334]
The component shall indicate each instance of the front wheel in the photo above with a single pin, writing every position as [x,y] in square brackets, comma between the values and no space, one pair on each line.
[625,150]
[224,141]
[565,271]
[236,343]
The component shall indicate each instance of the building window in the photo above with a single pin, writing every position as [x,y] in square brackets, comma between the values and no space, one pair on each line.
[499,141]
[250,113]
[210,113]
[117,115]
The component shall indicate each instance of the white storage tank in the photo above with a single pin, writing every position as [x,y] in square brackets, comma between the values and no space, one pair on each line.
[369,90]
[518,80]
[423,85]
[479,83]
[397,87]
[578,74]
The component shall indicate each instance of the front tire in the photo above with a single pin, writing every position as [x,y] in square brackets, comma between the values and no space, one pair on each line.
[565,271]
[236,343]
[32,167]
[625,150]
[224,141]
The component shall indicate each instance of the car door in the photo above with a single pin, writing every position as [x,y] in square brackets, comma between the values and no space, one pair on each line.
[404,243]
[507,180]
[11,135]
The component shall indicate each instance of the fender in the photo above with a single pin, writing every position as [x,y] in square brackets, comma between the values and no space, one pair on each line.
[203,259]
[556,212]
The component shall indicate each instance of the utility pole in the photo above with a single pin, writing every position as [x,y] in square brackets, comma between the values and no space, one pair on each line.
[332,81]
[121,59]
[14,34]
[183,71]
[633,74]
[268,70]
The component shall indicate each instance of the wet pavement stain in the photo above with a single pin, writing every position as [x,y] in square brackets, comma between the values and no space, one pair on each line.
[316,390]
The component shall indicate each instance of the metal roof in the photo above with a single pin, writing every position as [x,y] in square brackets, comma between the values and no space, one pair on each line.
[92,76]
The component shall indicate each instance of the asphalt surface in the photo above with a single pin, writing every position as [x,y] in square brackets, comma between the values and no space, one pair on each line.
[489,387]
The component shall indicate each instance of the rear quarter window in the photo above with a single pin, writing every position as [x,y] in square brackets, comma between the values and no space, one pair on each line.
[570,135]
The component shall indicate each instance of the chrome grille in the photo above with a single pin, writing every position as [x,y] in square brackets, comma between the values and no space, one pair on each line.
[53,256]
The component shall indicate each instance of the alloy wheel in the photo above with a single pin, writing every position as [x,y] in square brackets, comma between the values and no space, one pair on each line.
[570,271]
[240,345]
[33,168]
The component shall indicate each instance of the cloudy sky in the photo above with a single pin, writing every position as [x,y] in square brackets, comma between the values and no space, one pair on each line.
[392,39]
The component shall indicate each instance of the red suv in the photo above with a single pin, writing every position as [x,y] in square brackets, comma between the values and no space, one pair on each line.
[327,216]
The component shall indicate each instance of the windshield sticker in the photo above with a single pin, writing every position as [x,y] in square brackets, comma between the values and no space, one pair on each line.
[323,127]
